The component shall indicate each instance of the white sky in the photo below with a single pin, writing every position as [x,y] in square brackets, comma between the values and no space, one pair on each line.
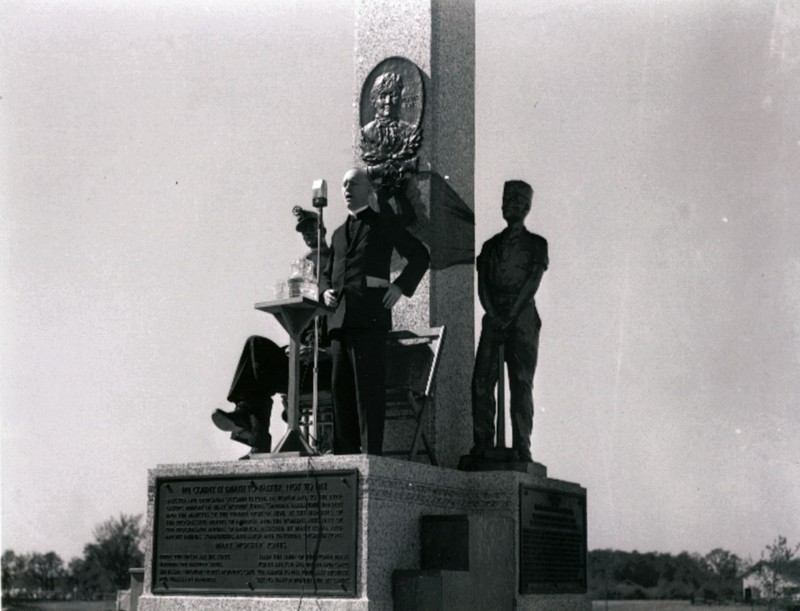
[151,154]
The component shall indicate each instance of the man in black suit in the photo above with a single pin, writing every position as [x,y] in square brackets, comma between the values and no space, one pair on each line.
[356,283]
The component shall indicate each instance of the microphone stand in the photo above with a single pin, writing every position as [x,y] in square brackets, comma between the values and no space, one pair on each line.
[315,375]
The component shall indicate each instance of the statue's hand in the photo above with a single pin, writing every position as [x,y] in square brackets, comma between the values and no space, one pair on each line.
[500,323]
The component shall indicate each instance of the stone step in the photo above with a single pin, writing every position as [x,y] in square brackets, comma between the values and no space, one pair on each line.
[418,590]
[464,564]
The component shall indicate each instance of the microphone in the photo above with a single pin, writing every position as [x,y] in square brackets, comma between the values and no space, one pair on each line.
[320,193]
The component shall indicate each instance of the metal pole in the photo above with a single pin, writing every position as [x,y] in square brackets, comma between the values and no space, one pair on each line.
[315,377]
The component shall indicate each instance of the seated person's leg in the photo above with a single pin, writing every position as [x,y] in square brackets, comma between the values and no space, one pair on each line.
[262,371]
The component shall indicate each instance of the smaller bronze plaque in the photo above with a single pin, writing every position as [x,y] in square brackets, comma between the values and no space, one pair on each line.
[552,541]
[285,534]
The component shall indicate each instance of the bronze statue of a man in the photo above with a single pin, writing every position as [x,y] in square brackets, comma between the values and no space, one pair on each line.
[510,268]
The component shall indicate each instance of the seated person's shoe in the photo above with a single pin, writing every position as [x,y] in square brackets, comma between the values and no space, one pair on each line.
[254,450]
[236,421]
[245,436]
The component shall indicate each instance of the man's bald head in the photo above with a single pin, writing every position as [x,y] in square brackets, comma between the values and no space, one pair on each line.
[357,189]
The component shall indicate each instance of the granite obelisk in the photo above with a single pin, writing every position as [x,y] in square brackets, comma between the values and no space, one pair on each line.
[439,38]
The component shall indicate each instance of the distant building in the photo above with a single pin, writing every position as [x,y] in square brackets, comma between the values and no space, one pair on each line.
[764,582]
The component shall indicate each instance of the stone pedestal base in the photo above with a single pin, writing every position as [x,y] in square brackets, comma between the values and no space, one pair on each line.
[501,459]
[400,508]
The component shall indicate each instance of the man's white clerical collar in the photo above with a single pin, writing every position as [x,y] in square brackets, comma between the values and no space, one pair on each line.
[355,213]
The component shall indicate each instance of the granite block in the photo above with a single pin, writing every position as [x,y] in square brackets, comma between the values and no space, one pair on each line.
[433,590]
[393,495]
[414,590]
[399,436]
[412,313]
[452,411]
[439,37]
[492,550]
[137,586]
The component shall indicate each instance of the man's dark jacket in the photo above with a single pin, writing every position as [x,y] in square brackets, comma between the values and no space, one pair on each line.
[373,236]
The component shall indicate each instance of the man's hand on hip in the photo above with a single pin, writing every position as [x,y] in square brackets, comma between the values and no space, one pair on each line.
[392,295]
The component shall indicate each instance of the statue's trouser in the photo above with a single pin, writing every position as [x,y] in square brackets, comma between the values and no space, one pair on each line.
[521,347]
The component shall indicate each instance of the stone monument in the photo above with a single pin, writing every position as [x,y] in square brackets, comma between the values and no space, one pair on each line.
[375,533]
[430,45]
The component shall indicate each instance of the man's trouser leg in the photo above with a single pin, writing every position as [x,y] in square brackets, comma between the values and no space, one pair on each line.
[346,438]
[359,393]
[484,381]
[521,353]
[262,370]
[260,419]
[369,365]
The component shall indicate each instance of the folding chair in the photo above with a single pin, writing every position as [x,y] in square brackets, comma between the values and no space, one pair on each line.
[412,357]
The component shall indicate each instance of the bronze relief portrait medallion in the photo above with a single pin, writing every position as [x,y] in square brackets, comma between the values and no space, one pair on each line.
[391,110]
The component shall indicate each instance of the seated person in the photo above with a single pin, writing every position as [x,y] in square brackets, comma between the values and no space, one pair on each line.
[263,368]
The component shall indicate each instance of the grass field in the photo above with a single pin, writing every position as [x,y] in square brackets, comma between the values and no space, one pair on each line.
[80,605]
[597,605]
[661,605]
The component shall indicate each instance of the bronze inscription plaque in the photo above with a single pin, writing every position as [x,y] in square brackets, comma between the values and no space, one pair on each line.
[552,541]
[282,535]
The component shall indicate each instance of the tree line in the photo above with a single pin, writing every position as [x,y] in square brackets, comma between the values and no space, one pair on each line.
[98,573]
[612,574]
[716,576]
[617,575]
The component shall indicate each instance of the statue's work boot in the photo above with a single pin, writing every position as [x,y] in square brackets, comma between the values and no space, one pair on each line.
[524,455]
[478,451]
[234,422]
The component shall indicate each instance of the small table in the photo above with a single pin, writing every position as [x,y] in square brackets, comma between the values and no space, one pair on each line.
[294,314]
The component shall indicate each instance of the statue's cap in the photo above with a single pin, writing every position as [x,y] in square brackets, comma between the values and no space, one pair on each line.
[306,219]
[520,186]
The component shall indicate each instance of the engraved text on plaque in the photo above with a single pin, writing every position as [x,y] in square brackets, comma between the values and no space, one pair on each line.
[285,534]
[552,541]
